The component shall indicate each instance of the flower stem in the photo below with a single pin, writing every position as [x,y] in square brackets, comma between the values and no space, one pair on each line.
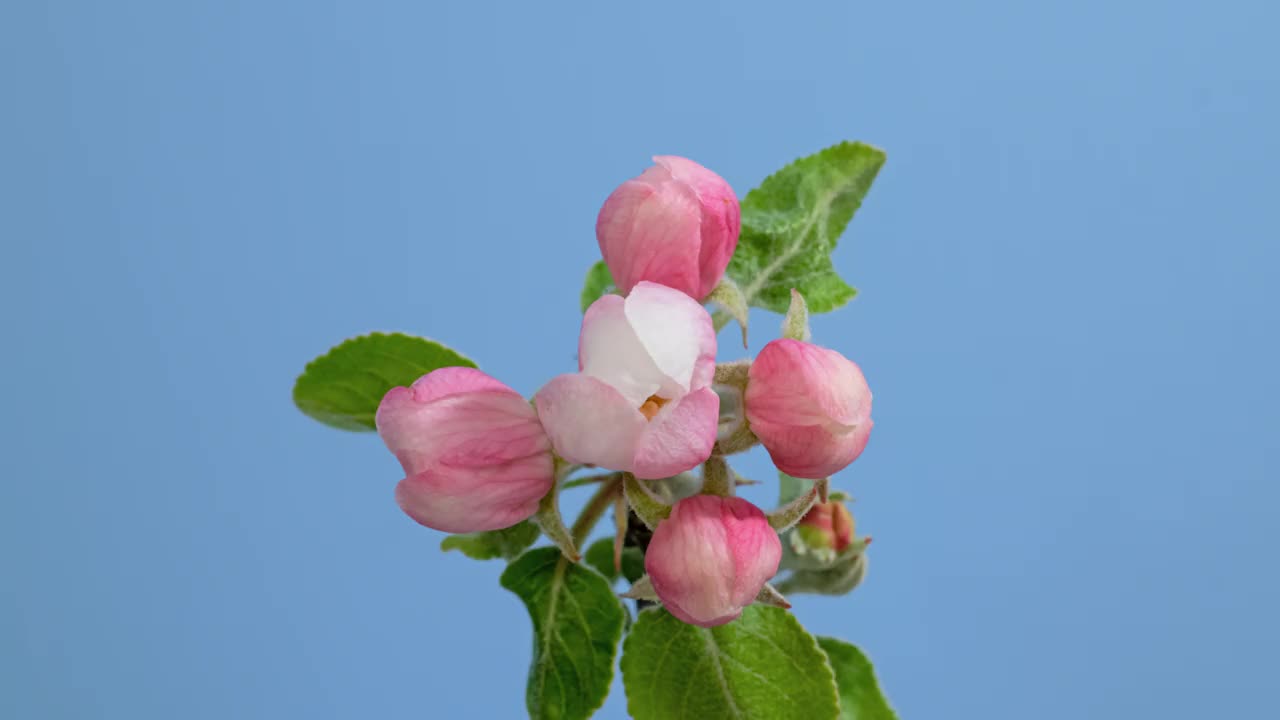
[595,507]
[588,480]
[717,478]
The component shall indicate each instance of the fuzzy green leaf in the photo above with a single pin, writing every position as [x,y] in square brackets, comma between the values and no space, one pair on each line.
[343,387]
[809,575]
[790,488]
[762,666]
[600,557]
[860,696]
[599,283]
[506,543]
[790,225]
[577,622]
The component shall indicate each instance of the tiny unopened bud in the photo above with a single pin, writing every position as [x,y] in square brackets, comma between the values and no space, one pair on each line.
[824,532]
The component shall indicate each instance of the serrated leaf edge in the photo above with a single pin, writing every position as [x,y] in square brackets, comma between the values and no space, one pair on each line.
[757,284]
[710,640]
[335,421]
[875,680]
[557,584]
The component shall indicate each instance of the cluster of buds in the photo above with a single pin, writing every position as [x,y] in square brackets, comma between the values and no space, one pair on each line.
[646,401]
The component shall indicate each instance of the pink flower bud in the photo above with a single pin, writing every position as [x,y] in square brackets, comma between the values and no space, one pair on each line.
[809,406]
[711,557]
[676,224]
[826,527]
[642,402]
[474,455]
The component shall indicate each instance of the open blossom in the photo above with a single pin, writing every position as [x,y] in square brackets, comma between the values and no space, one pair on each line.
[809,406]
[474,455]
[676,224]
[642,401]
[711,557]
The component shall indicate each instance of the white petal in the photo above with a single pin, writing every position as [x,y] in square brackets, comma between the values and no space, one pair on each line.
[676,332]
[609,350]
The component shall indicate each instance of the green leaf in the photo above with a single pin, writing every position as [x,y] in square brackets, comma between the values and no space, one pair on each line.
[790,225]
[860,696]
[632,564]
[599,283]
[577,622]
[600,557]
[790,488]
[343,387]
[838,578]
[762,666]
[729,296]
[506,543]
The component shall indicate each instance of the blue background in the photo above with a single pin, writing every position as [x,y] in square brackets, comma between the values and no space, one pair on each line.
[1068,317]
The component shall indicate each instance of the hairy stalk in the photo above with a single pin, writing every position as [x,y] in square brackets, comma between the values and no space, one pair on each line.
[595,507]
[588,480]
[717,478]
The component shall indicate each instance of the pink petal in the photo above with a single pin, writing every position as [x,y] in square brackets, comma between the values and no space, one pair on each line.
[679,437]
[721,218]
[590,422]
[711,557]
[812,451]
[756,549]
[800,383]
[691,564]
[463,418]
[476,499]
[649,229]
[453,381]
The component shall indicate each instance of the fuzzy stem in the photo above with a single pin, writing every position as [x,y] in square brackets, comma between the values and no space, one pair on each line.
[717,478]
[595,508]
[620,520]
[588,480]
[734,373]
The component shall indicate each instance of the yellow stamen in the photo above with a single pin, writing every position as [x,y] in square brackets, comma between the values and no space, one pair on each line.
[652,406]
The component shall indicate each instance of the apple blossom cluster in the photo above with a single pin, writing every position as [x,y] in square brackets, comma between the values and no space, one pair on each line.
[649,421]
[645,403]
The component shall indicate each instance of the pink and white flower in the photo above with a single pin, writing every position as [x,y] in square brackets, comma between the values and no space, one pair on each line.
[711,558]
[474,454]
[676,224]
[642,400]
[809,406]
